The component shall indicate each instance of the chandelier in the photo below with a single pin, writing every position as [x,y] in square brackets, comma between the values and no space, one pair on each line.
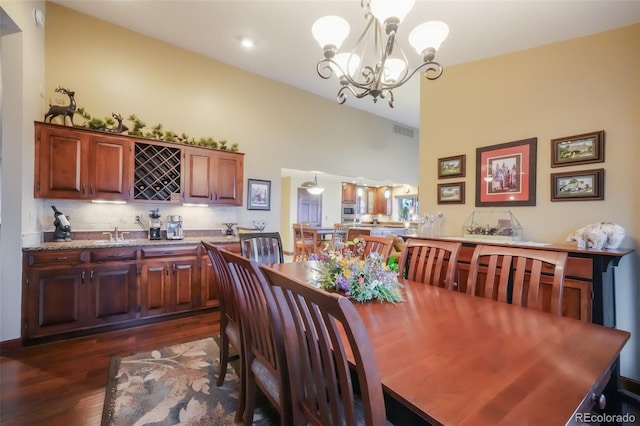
[313,187]
[388,68]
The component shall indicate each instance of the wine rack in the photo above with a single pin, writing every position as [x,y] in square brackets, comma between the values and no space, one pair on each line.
[157,173]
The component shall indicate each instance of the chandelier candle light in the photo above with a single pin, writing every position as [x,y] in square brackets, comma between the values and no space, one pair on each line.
[387,72]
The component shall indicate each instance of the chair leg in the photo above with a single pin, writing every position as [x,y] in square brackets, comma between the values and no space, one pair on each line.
[224,357]
[243,390]
[250,396]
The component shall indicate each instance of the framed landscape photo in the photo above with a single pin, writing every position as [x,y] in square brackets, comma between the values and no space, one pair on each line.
[451,193]
[450,167]
[506,174]
[582,185]
[259,195]
[579,149]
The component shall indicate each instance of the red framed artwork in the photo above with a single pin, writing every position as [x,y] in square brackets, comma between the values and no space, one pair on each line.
[506,174]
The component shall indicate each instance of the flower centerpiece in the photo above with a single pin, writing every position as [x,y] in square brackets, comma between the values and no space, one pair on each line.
[340,268]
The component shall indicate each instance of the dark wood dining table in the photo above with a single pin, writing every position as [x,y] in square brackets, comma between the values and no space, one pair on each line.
[456,359]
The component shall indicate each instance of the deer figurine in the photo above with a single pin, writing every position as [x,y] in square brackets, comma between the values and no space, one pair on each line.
[121,127]
[63,110]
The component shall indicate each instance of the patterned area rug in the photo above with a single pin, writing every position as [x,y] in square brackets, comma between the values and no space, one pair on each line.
[174,386]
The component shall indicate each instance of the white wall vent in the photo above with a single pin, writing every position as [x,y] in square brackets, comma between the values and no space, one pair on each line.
[402,130]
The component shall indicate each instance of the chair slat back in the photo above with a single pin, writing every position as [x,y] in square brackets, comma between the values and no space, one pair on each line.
[262,334]
[431,262]
[315,321]
[263,247]
[380,245]
[229,310]
[525,269]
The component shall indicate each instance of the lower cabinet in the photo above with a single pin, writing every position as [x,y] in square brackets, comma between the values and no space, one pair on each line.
[55,300]
[72,290]
[168,286]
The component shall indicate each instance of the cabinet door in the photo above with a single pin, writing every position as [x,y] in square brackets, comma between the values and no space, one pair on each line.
[382,202]
[110,168]
[198,181]
[228,178]
[155,291]
[184,284]
[349,193]
[208,285]
[60,163]
[56,299]
[112,291]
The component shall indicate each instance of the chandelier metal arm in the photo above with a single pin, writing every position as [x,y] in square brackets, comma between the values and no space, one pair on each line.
[384,71]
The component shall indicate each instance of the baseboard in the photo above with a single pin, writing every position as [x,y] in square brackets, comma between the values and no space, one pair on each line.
[12,345]
[630,385]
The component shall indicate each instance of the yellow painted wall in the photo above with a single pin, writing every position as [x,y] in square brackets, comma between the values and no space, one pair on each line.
[569,88]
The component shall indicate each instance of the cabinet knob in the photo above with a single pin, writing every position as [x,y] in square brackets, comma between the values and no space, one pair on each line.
[599,400]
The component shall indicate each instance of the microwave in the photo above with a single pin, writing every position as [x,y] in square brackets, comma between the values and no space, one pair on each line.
[348,210]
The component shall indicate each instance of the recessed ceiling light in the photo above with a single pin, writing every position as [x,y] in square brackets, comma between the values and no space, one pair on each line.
[246,42]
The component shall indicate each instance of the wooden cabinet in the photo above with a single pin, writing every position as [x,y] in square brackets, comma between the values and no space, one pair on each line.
[349,194]
[77,164]
[228,175]
[68,290]
[382,201]
[213,177]
[81,289]
[55,300]
[169,280]
[73,163]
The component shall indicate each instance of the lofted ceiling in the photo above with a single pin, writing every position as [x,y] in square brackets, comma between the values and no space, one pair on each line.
[286,51]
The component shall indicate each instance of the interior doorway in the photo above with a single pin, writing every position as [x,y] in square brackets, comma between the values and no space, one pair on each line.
[309,207]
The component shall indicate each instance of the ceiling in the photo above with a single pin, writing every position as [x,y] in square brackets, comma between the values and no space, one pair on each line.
[286,51]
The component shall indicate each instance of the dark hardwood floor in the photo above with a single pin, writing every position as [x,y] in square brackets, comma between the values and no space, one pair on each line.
[63,383]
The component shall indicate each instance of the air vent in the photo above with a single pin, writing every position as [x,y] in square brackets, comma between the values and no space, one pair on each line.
[402,130]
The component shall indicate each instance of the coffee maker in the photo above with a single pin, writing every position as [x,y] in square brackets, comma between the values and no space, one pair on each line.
[154,225]
[174,227]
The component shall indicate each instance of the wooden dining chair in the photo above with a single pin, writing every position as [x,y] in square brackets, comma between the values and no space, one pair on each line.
[263,247]
[380,245]
[298,242]
[430,262]
[263,339]
[230,327]
[339,233]
[317,356]
[494,269]
[306,243]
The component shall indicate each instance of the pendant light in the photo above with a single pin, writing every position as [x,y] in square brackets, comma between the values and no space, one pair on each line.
[313,187]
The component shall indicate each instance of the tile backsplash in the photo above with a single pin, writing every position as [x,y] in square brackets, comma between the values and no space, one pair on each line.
[86,216]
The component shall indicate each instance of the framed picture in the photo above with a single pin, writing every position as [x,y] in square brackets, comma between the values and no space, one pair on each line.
[451,193]
[583,185]
[259,195]
[450,167]
[506,174]
[579,149]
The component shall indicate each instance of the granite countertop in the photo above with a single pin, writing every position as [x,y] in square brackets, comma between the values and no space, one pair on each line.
[140,242]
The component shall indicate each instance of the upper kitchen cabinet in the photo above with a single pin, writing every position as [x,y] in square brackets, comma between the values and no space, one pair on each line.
[213,177]
[349,195]
[383,201]
[78,164]
[82,164]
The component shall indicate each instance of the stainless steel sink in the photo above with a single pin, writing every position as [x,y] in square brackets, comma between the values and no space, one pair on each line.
[113,242]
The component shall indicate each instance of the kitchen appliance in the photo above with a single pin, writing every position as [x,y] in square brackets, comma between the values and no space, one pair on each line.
[154,225]
[174,227]
[348,213]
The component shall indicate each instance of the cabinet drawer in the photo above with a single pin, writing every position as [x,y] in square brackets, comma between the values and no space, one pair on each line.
[150,253]
[55,257]
[113,254]
[579,267]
